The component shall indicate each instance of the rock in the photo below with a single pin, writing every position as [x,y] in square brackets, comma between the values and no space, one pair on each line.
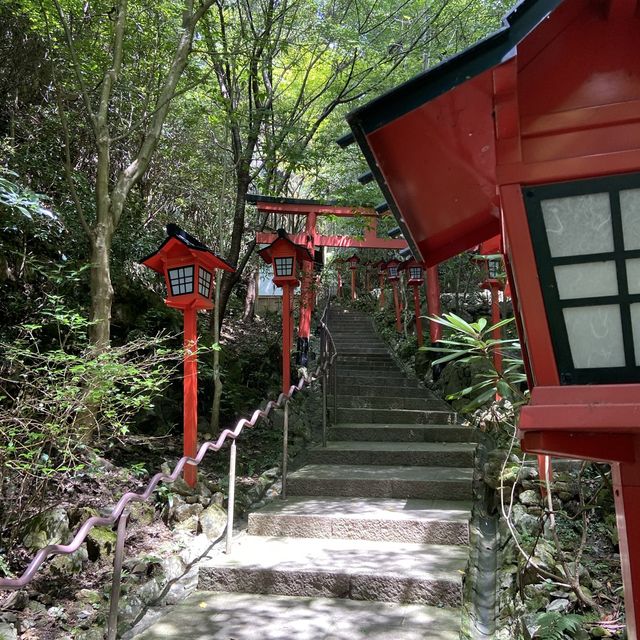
[185,511]
[196,548]
[8,631]
[536,597]
[56,612]
[101,542]
[529,497]
[50,527]
[142,512]
[213,521]
[90,596]
[218,498]
[272,473]
[561,605]
[72,562]
[180,487]
[173,567]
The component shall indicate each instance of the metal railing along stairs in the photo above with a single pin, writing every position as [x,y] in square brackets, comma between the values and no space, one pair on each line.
[118,517]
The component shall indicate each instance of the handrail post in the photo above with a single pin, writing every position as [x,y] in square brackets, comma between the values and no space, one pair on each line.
[118,558]
[335,389]
[232,495]
[285,448]
[325,380]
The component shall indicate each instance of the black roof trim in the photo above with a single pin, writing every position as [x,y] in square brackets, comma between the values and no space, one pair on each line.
[345,140]
[254,198]
[174,231]
[365,178]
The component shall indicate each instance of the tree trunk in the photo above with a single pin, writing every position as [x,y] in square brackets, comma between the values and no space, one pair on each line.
[101,288]
[250,299]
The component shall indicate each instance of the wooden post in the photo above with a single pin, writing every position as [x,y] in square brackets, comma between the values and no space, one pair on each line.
[396,303]
[190,384]
[353,284]
[416,302]
[381,281]
[495,318]
[433,303]
[286,337]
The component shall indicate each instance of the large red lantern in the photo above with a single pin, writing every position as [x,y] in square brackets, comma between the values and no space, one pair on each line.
[504,138]
[286,257]
[188,267]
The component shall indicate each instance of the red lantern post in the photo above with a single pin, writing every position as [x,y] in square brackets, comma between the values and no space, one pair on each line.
[491,265]
[433,303]
[285,256]
[353,266]
[415,279]
[393,277]
[381,277]
[188,267]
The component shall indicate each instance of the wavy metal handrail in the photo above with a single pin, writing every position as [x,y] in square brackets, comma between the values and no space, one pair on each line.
[118,515]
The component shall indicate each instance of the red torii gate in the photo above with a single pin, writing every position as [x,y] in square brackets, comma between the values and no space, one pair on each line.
[313,240]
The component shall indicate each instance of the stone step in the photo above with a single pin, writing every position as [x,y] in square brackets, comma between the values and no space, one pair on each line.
[434,454]
[373,357]
[425,402]
[351,350]
[381,519]
[381,481]
[348,377]
[387,391]
[207,615]
[403,433]
[387,416]
[373,376]
[379,366]
[359,570]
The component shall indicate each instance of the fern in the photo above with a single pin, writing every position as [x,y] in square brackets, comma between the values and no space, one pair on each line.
[557,626]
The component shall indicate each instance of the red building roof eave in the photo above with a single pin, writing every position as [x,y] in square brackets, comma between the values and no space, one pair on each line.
[445,203]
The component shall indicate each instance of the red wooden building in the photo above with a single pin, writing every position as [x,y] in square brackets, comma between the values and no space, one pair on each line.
[535,133]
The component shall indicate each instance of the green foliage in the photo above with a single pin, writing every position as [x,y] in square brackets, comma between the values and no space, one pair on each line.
[471,343]
[559,626]
[59,399]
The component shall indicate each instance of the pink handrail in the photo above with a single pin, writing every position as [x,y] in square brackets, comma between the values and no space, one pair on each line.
[116,513]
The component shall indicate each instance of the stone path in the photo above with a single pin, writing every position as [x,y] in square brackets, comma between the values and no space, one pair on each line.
[372,540]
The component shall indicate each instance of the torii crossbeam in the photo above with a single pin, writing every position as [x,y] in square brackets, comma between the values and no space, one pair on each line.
[312,240]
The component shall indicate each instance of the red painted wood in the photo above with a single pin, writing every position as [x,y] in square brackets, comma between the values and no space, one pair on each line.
[307,294]
[416,303]
[353,284]
[396,304]
[433,303]
[626,493]
[526,287]
[609,447]
[190,386]
[381,284]
[495,318]
[286,338]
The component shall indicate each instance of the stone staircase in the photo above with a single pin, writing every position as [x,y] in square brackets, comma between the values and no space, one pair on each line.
[372,540]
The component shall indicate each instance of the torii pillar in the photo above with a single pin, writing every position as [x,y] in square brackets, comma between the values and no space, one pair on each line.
[307,294]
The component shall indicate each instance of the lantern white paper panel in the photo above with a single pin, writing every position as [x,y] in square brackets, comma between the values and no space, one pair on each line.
[635,324]
[578,225]
[633,275]
[593,279]
[630,210]
[595,336]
